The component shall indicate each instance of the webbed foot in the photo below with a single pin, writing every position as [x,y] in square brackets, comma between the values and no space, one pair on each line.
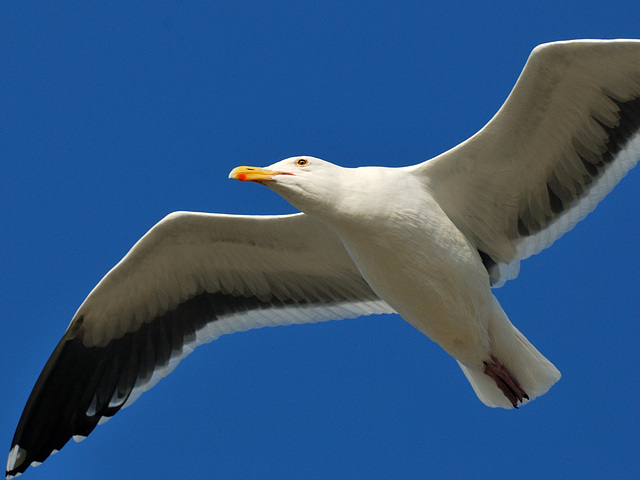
[505,381]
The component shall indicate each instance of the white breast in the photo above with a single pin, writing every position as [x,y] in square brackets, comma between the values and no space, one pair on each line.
[418,261]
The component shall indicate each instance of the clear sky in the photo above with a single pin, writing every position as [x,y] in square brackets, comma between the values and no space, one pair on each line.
[114,116]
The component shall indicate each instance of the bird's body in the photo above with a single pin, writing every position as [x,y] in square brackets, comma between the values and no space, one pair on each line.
[440,288]
[417,261]
[427,241]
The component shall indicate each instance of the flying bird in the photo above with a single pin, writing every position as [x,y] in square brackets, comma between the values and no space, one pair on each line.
[426,241]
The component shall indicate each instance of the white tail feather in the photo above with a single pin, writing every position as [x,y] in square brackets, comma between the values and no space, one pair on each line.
[527,365]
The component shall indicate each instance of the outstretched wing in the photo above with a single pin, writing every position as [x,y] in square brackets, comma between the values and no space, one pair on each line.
[567,134]
[192,278]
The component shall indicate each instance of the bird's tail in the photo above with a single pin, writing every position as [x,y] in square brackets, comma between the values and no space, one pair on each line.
[524,362]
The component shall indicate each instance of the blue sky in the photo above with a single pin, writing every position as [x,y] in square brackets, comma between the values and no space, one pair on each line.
[116,115]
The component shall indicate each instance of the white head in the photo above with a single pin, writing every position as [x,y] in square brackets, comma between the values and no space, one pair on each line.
[308,183]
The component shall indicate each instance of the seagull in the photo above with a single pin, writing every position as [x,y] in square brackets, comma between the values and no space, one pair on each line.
[427,241]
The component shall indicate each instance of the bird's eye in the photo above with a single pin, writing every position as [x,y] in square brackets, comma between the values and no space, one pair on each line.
[302,162]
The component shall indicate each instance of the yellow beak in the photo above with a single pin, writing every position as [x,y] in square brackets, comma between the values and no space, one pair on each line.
[252,174]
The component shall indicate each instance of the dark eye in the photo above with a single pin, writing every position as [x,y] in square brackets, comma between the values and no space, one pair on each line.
[302,162]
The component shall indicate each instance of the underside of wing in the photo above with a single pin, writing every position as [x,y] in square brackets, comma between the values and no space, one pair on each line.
[567,134]
[189,280]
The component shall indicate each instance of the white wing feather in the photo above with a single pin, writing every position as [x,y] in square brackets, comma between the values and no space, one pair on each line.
[567,134]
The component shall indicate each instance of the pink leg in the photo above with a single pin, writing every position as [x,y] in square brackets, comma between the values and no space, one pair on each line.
[505,381]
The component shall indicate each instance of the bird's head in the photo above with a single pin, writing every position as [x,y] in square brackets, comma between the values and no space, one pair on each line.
[308,183]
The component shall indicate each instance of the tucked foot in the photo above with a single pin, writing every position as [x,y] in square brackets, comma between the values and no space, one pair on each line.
[505,381]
